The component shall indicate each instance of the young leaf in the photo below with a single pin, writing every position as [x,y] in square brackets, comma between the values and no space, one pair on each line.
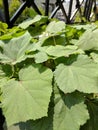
[54,34]
[79,75]
[29,97]
[3,27]
[14,50]
[55,27]
[41,57]
[36,19]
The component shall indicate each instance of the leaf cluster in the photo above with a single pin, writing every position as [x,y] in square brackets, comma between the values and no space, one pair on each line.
[49,75]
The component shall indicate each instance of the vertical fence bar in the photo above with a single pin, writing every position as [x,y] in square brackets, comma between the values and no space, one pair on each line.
[60,3]
[6,11]
[46,7]
[70,8]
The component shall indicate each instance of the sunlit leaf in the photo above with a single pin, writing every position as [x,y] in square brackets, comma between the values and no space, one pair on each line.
[77,74]
[3,27]
[94,56]
[29,97]
[14,50]
[45,123]
[55,27]
[28,22]
[59,51]
[88,40]
[53,40]
[41,57]
[54,34]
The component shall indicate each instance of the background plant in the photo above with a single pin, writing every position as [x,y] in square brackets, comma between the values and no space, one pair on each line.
[27,13]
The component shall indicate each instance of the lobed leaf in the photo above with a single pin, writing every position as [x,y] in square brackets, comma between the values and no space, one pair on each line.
[36,19]
[88,40]
[45,123]
[59,51]
[69,118]
[55,27]
[29,97]
[14,50]
[41,57]
[79,75]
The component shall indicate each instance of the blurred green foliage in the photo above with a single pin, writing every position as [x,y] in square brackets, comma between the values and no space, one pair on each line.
[1,4]
[14,5]
[27,13]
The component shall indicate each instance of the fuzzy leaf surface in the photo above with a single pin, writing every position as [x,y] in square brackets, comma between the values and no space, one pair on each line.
[29,97]
[79,75]
[40,57]
[14,51]
[88,40]
[45,123]
[55,27]
[52,34]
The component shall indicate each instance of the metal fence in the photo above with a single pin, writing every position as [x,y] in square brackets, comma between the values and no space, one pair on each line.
[62,9]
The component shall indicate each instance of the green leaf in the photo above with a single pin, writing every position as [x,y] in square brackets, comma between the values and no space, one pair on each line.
[53,40]
[36,19]
[29,97]
[89,40]
[45,123]
[69,118]
[14,50]
[5,74]
[11,33]
[41,57]
[3,27]
[1,43]
[14,127]
[91,26]
[36,31]
[54,34]
[77,74]
[94,56]
[59,51]
[55,51]
[55,27]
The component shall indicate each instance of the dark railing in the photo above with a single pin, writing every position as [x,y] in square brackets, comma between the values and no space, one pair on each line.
[1,120]
[25,3]
[57,5]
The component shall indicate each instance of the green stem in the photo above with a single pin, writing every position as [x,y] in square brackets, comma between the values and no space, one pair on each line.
[54,40]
